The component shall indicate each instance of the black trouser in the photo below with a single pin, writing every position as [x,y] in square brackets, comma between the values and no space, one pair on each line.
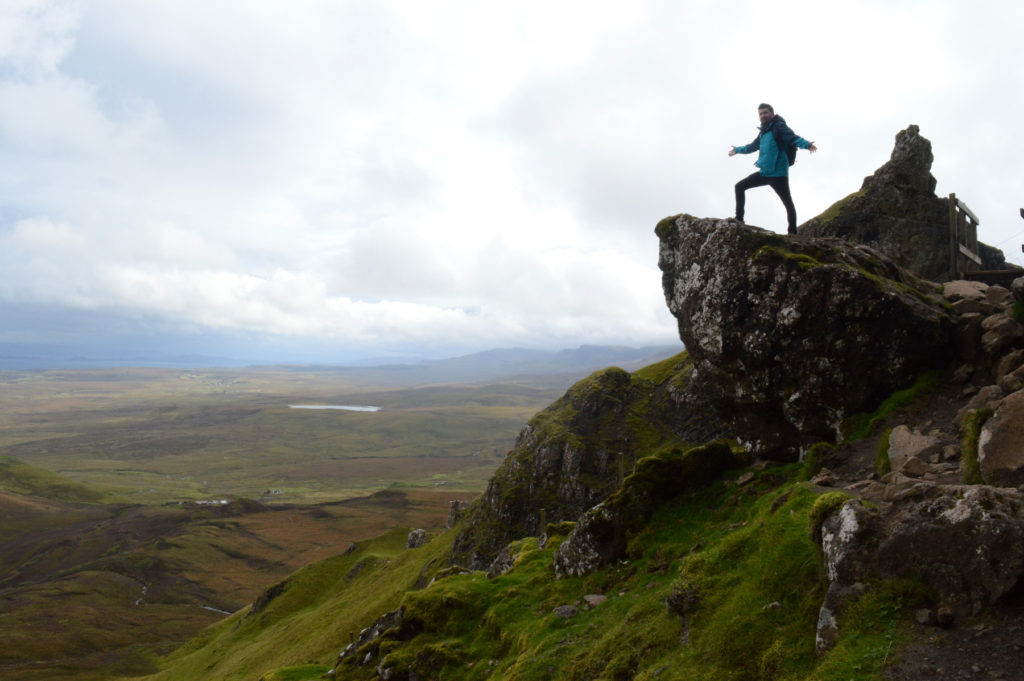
[781,187]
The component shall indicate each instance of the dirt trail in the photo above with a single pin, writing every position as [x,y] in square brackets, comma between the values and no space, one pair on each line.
[988,647]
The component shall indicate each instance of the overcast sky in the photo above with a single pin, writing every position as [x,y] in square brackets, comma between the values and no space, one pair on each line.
[327,180]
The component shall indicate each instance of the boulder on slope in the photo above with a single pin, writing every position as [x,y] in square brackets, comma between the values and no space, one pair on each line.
[789,335]
[965,543]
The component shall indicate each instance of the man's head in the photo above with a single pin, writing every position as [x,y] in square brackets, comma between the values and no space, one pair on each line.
[765,112]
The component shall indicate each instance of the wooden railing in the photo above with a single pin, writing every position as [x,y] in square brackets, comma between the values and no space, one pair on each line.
[964,261]
[963,238]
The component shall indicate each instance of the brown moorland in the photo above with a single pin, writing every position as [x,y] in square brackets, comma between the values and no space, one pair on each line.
[139,505]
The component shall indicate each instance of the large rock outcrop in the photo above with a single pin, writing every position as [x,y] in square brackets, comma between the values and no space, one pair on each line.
[571,455]
[602,533]
[1001,445]
[789,335]
[965,543]
[897,213]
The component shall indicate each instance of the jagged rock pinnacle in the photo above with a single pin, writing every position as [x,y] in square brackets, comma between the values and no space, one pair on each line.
[897,213]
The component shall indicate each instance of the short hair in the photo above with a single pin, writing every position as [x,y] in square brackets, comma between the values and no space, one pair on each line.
[762,105]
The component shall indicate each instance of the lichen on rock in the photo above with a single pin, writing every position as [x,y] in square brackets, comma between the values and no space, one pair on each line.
[791,336]
[964,543]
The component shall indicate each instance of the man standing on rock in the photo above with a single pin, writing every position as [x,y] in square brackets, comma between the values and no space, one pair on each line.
[772,147]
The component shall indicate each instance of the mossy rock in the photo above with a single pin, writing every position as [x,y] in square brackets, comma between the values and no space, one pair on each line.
[837,208]
[602,534]
[665,225]
[823,507]
[801,260]
[577,452]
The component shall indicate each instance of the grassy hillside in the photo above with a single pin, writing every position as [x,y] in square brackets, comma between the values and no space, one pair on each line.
[105,559]
[722,584]
[91,591]
[16,476]
[306,618]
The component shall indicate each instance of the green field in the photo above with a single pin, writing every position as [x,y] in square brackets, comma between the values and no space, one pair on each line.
[153,436]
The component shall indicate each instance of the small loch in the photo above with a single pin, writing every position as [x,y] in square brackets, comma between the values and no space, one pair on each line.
[344,407]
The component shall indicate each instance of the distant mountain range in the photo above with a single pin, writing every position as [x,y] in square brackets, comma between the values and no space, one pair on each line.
[519,364]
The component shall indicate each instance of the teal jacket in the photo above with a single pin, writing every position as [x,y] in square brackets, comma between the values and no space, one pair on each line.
[770,158]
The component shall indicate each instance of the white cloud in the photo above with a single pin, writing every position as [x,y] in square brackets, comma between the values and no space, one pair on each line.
[453,173]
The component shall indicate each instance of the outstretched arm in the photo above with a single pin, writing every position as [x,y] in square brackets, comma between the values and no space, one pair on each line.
[804,144]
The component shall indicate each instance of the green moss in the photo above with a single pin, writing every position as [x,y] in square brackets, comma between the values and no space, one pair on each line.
[665,474]
[771,661]
[556,423]
[666,370]
[969,443]
[805,262]
[860,426]
[811,463]
[446,606]
[824,506]
[882,463]
[886,284]
[558,532]
[836,209]
[760,588]
[665,225]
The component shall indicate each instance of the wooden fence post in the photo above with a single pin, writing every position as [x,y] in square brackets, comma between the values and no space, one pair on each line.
[954,240]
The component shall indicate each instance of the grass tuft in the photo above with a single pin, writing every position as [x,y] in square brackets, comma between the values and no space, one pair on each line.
[811,463]
[861,426]
[873,627]
[969,444]
[882,463]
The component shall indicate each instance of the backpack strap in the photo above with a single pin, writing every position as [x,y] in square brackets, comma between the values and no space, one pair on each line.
[790,149]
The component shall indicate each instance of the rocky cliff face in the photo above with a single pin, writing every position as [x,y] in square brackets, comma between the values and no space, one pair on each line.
[571,455]
[897,213]
[787,337]
[791,335]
